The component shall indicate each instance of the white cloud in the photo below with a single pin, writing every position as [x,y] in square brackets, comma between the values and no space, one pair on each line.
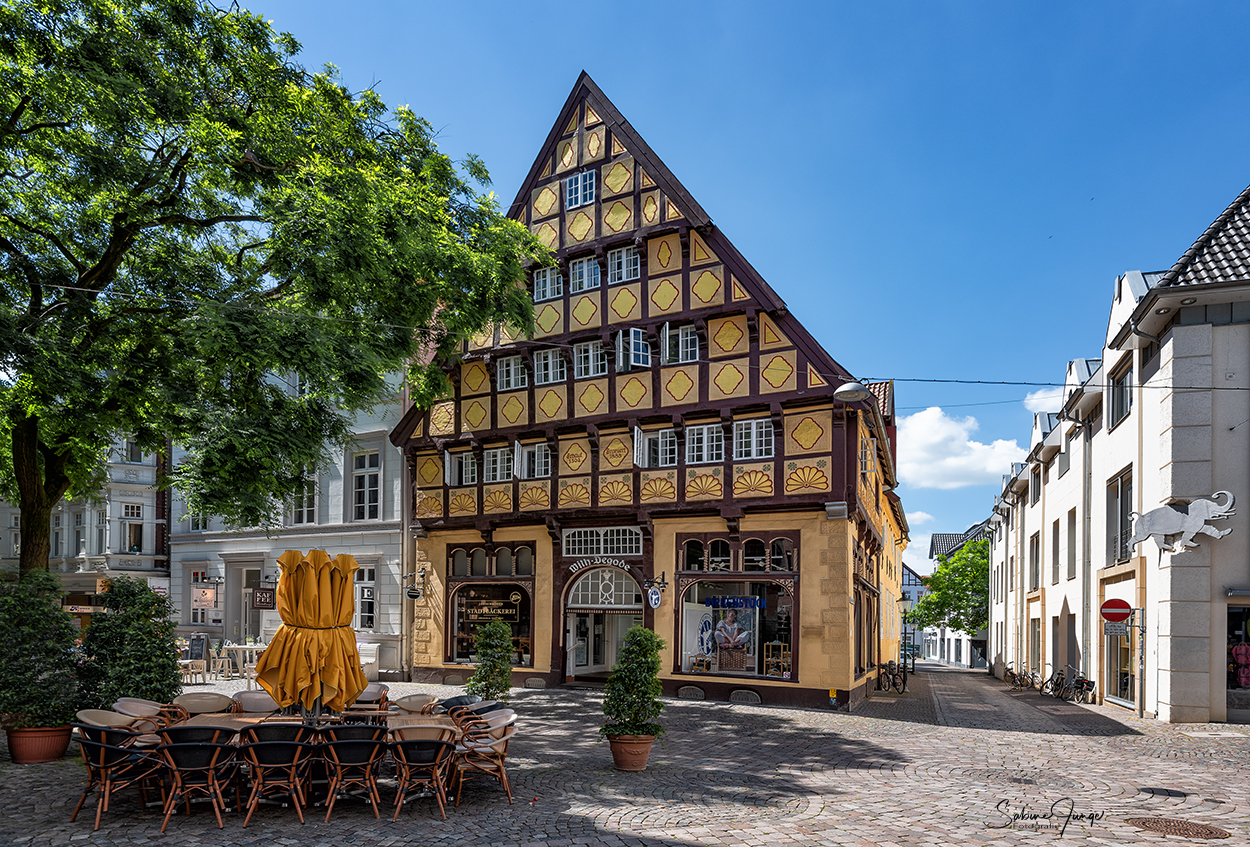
[917,518]
[916,556]
[937,451]
[1044,400]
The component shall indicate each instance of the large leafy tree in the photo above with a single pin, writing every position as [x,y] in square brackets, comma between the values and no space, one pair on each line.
[958,591]
[186,212]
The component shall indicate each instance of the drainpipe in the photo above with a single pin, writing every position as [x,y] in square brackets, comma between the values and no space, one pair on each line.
[1086,576]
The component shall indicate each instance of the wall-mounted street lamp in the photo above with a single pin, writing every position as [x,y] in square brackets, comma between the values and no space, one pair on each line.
[417,590]
[661,583]
[851,392]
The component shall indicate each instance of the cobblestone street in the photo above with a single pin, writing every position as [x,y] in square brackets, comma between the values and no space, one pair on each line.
[947,763]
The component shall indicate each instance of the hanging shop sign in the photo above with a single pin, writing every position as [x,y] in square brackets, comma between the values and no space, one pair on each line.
[598,562]
[204,597]
[264,599]
[654,596]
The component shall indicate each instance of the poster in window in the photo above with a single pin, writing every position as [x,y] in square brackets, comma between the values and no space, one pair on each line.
[204,597]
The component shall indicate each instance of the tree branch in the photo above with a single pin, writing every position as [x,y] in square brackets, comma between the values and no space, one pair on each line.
[202,223]
[56,242]
[17,114]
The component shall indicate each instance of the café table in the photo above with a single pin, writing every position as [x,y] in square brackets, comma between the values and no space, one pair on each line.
[244,655]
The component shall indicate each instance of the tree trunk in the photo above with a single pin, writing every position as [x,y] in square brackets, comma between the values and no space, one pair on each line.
[40,486]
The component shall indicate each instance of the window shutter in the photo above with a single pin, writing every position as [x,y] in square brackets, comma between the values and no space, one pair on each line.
[516,459]
[640,453]
[447,468]
[621,354]
[664,356]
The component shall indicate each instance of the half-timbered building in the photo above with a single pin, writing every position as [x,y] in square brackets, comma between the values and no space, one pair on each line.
[665,450]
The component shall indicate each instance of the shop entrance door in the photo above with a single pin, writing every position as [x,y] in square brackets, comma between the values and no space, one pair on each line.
[602,605]
[251,617]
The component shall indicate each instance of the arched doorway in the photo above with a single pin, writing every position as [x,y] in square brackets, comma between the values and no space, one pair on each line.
[602,605]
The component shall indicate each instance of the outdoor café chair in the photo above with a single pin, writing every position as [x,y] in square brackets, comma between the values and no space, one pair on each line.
[136,726]
[452,702]
[254,701]
[204,702]
[279,731]
[278,768]
[431,732]
[483,752]
[353,763]
[500,717]
[137,707]
[353,732]
[205,769]
[373,697]
[195,734]
[413,704]
[421,765]
[112,767]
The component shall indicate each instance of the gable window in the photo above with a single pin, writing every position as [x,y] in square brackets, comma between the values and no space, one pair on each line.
[680,344]
[549,367]
[510,373]
[1121,395]
[753,439]
[579,189]
[656,449]
[705,444]
[547,284]
[366,486]
[497,464]
[632,349]
[623,265]
[589,359]
[459,469]
[533,460]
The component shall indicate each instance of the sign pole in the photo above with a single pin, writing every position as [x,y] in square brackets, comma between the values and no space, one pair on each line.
[1141,663]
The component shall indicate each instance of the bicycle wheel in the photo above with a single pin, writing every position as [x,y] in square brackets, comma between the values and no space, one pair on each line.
[897,681]
[1068,692]
[1045,688]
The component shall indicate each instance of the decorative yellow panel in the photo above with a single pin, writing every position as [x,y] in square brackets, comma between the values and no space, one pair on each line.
[814,378]
[658,487]
[508,334]
[700,253]
[566,155]
[671,212]
[727,336]
[679,385]
[475,414]
[548,319]
[463,501]
[443,418]
[707,287]
[624,303]
[663,255]
[430,504]
[770,336]
[617,147]
[579,226]
[483,340]
[617,177]
[592,117]
[645,180]
[809,476]
[616,490]
[547,234]
[665,295]
[594,144]
[574,493]
[584,311]
[777,371]
[633,391]
[430,471]
[474,379]
[419,430]
[736,292]
[571,126]
[729,379]
[753,480]
[497,498]
[546,200]
[592,398]
[704,483]
[616,452]
[574,457]
[550,403]
[534,496]
[513,408]
[618,215]
[810,432]
[651,208]
[546,170]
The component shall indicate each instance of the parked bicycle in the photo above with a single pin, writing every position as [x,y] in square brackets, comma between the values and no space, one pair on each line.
[891,676]
[1079,688]
[1009,677]
[1053,686]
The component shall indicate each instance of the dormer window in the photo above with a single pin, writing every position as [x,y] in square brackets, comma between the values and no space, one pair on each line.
[579,189]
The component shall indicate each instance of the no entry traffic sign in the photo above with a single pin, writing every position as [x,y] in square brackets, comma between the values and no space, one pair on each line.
[1116,611]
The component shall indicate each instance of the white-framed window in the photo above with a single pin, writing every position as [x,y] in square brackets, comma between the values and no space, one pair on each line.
[679,344]
[365,598]
[623,265]
[101,532]
[579,189]
[1121,395]
[615,541]
[459,468]
[705,444]
[583,275]
[198,578]
[304,508]
[80,536]
[548,284]
[632,349]
[132,516]
[549,367]
[753,439]
[199,521]
[497,464]
[867,455]
[17,521]
[589,359]
[366,486]
[134,453]
[511,373]
[533,461]
[655,449]
[56,535]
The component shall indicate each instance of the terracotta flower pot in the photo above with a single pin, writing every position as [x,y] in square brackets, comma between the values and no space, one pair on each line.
[38,744]
[630,752]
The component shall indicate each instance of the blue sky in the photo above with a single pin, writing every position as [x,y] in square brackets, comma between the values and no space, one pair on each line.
[939,190]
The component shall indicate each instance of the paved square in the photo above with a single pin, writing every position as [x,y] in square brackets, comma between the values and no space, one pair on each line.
[948,763]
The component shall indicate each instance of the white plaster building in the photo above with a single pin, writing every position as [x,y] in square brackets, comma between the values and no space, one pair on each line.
[1160,418]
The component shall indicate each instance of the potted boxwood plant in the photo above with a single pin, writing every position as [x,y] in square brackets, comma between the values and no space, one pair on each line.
[38,668]
[492,678]
[631,704]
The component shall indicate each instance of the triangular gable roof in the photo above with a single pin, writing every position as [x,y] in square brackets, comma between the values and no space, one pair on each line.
[1221,253]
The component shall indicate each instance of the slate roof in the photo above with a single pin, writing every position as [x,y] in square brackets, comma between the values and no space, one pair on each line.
[1221,254]
[945,543]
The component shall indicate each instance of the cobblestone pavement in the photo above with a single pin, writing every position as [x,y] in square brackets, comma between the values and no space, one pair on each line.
[947,763]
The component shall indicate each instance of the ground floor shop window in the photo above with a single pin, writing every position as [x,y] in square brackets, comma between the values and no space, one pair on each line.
[473,605]
[737,629]
[1121,669]
[1239,655]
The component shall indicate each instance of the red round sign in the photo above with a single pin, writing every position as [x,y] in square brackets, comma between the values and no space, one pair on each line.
[1116,611]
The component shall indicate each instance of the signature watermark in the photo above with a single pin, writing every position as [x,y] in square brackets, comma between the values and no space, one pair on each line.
[1053,819]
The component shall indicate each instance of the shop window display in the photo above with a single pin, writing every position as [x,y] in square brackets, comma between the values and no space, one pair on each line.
[737,629]
[476,603]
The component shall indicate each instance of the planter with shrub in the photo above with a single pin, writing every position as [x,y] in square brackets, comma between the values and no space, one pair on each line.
[631,703]
[492,646]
